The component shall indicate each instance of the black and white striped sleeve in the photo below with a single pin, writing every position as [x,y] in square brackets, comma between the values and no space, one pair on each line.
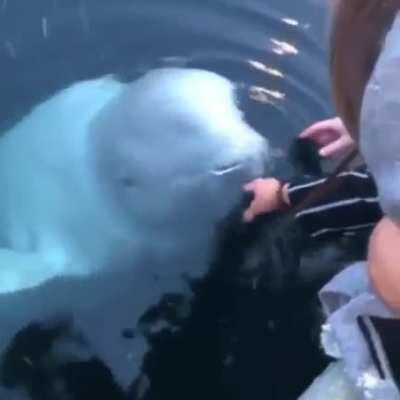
[352,207]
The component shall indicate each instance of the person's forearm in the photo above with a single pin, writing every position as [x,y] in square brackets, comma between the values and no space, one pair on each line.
[352,206]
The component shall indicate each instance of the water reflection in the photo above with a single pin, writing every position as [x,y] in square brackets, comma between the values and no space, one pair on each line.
[266,96]
[283,48]
[268,70]
[290,21]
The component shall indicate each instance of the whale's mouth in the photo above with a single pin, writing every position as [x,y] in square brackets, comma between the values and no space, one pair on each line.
[227,168]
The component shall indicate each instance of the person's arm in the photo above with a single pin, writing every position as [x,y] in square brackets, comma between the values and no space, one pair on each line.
[353,206]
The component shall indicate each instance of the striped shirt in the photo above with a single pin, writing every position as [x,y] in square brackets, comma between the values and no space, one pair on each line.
[351,208]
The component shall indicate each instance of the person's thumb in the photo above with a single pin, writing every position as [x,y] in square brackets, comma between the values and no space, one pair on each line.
[333,148]
[248,215]
[249,187]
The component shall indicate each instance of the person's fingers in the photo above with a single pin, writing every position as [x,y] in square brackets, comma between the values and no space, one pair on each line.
[313,131]
[325,137]
[248,215]
[250,186]
[334,148]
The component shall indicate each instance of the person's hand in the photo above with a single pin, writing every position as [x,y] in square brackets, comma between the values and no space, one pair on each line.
[331,136]
[267,197]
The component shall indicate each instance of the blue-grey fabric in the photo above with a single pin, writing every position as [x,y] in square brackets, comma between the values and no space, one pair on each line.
[348,299]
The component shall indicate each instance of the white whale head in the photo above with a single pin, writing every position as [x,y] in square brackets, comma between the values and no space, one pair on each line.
[119,183]
[173,148]
[137,173]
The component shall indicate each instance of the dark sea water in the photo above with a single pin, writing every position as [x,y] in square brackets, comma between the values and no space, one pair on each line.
[276,44]
[235,343]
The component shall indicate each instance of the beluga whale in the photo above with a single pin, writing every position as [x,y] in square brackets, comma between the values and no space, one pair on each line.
[111,193]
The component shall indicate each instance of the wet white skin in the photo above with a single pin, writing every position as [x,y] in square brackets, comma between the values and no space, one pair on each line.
[97,171]
[107,186]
